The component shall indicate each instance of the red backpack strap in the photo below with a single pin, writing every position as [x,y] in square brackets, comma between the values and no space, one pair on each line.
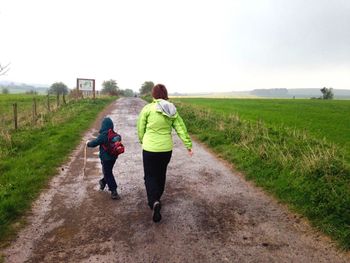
[109,134]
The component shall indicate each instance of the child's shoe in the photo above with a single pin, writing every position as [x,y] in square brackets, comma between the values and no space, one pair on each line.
[102,183]
[114,195]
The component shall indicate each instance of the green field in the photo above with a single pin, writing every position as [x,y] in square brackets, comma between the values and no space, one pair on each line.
[322,119]
[297,150]
[32,154]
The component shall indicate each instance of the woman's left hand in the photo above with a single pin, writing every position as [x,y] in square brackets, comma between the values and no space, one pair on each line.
[190,152]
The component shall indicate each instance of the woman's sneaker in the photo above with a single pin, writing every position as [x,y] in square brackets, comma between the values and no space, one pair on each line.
[114,195]
[156,212]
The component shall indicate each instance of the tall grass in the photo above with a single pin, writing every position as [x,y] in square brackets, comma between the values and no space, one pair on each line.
[308,173]
[30,156]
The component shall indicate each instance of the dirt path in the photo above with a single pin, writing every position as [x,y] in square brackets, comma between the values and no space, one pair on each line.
[209,213]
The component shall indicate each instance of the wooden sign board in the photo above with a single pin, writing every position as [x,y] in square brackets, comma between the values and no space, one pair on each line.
[87,86]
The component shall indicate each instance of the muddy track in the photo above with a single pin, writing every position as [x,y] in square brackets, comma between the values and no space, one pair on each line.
[210,214]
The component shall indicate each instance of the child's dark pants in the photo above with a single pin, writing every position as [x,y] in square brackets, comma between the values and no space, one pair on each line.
[108,177]
[155,165]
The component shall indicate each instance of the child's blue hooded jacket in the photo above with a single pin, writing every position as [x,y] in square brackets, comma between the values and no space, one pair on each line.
[102,138]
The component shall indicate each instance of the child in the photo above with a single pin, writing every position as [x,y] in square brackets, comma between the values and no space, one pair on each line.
[107,160]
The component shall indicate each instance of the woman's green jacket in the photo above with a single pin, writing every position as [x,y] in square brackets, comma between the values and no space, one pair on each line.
[155,124]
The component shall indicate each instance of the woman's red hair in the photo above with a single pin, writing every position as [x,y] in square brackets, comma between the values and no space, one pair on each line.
[159,91]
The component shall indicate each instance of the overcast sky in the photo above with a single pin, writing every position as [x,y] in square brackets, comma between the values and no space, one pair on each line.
[188,45]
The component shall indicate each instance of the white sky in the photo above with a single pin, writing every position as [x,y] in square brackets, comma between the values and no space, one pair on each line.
[188,45]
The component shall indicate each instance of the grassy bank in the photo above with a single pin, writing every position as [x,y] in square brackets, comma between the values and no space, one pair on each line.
[30,156]
[319,118]
[308,173]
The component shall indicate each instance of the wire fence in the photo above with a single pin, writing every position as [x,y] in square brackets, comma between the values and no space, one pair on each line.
[23,111]
[17,112]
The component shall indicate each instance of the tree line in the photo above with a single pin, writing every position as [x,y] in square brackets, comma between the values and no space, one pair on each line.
[109,87]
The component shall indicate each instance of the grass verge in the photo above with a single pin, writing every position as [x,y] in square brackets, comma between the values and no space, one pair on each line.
[29,157]
[308,174]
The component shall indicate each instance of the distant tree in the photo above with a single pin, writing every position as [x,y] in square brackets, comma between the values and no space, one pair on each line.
[110,87]
[58,88]
[121,92]
[146,87]
[327,93]
[5,91]
[4,69]
[128,93]
[32,92]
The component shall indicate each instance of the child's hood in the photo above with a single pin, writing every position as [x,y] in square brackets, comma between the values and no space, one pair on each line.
[107,124]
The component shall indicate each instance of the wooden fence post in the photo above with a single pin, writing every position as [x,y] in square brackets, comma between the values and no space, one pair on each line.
[34,110]
[48,102]
[58,100]
[64,99]
[15,115]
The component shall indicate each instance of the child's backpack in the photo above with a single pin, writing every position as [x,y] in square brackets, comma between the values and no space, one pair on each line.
[114,146]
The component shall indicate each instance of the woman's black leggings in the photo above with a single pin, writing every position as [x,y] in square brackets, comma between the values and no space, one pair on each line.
[154,166]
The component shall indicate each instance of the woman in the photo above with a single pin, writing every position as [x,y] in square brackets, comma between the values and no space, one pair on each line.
[154,127]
